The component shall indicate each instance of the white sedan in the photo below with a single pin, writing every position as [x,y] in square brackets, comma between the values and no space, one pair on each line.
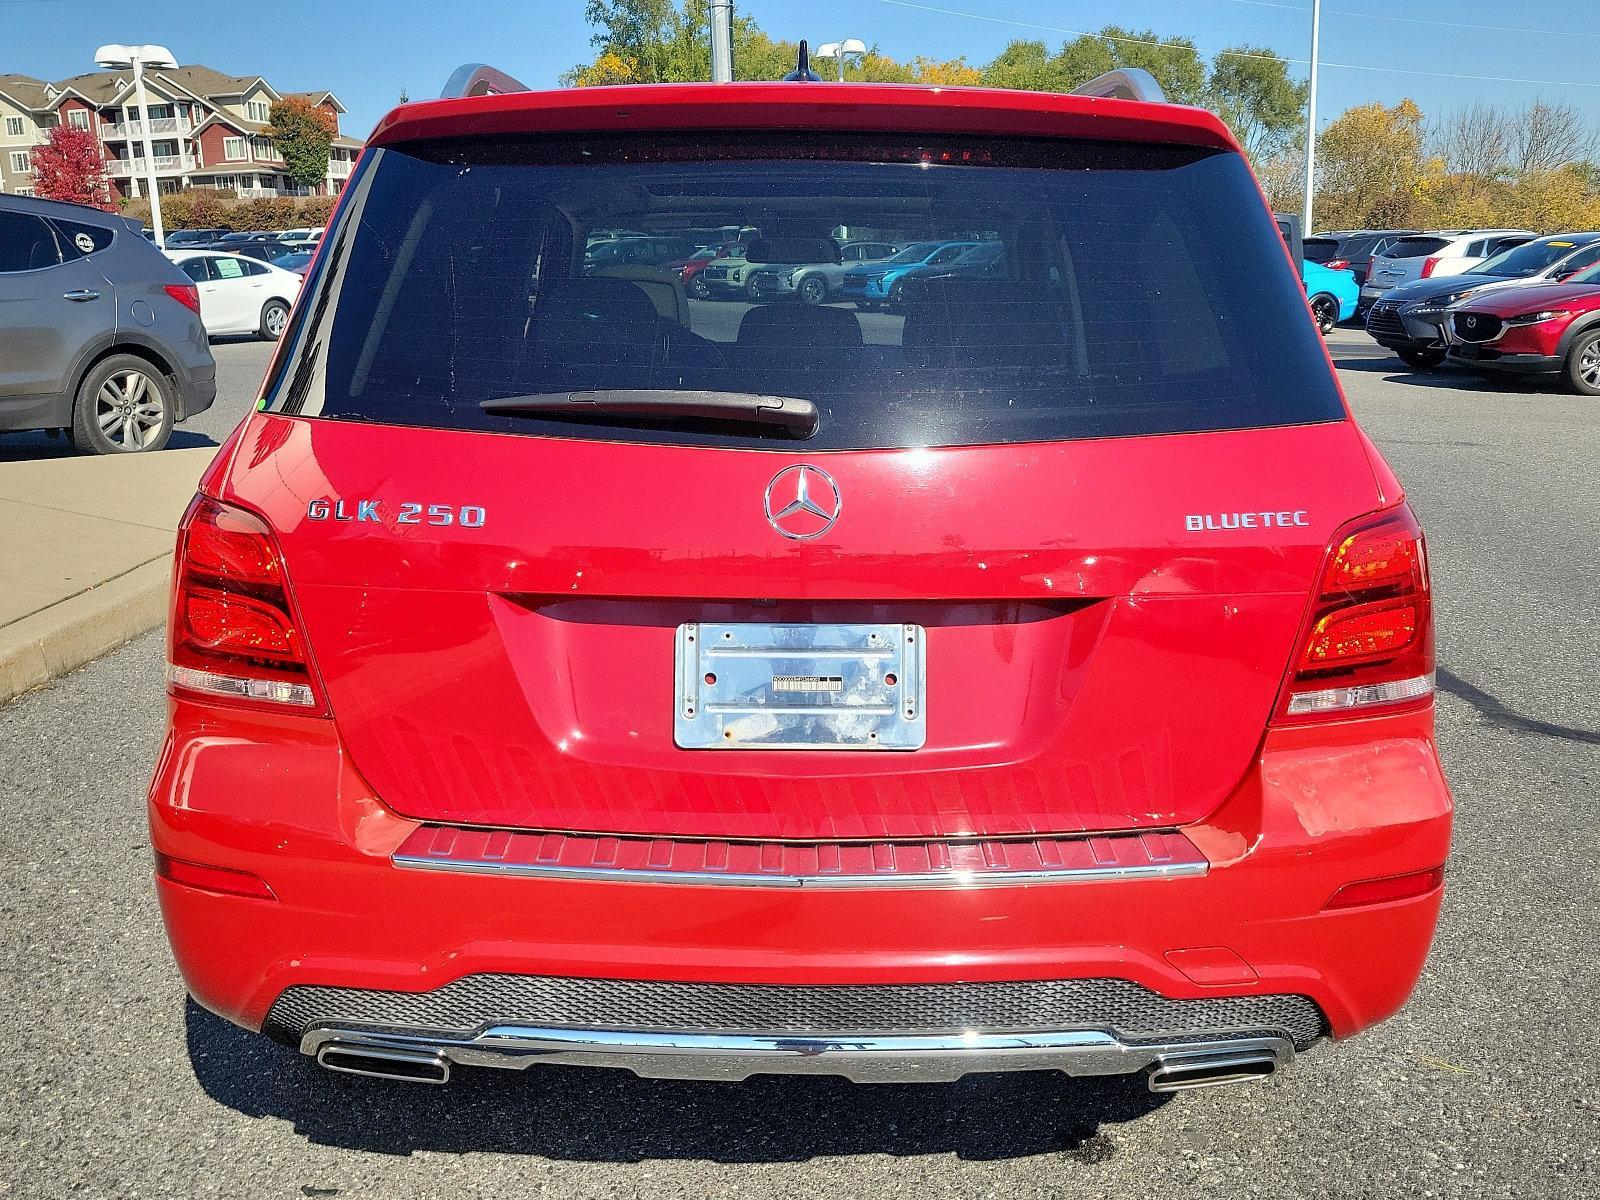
[238,294]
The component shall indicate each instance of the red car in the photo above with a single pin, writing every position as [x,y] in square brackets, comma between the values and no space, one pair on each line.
[1040,676]
[1544,329]
[688,268]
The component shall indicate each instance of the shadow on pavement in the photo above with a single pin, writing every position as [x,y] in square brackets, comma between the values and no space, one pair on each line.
[19,447]
[600,1115]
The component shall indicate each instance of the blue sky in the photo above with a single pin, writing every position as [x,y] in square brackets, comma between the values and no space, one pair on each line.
[367,51]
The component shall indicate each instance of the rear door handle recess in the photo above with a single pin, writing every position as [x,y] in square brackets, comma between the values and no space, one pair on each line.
[80,295]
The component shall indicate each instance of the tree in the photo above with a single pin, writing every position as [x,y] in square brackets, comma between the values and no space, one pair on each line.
[1546,136]
[1175,63]
[1251,90]
[1475,140]
[302,133]
[70,166]
[1370,168]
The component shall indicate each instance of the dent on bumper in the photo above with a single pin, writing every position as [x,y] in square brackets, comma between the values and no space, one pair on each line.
[1322,808]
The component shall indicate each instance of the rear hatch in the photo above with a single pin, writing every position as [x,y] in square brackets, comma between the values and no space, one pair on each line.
[1029,554]
[1402,262]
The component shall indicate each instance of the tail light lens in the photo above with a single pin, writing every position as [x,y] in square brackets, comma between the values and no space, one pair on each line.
[186,294]
[1429,266]
[233,632]
[1337,264]
[1368,642]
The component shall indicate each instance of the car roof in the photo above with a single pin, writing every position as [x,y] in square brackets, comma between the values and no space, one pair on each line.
[830,107]
[83,213]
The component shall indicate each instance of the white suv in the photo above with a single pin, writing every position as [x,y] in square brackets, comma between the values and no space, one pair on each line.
[1439,252]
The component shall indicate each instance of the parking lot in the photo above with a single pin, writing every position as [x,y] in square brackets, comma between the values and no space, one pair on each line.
[1482,1087]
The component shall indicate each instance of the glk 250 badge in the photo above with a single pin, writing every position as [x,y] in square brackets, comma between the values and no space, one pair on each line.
[469,516]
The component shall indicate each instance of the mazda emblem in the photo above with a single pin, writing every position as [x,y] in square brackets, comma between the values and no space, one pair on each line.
[1472,322]
[802,502]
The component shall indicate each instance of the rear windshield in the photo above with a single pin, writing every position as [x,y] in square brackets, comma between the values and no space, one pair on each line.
[1416,247]
[1321,250]
[1047,291]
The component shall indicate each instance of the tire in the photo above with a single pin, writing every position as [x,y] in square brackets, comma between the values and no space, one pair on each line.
[751,292]
[698,289]
[813,289]
[1421,360]
[124,406]
[897,297]
[1326,310]
[1582,368]
[274,319]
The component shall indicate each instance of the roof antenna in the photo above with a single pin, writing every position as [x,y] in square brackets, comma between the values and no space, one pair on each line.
[802,72]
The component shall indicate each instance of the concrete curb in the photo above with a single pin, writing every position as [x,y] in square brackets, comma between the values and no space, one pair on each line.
[81,628]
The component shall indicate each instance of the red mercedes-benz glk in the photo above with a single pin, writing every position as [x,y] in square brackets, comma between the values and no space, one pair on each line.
[564,670]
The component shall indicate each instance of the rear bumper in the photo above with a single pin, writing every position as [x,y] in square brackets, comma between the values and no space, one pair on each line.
[1322,808]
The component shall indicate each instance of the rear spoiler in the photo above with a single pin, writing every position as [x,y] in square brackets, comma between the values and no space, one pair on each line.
[1125,83]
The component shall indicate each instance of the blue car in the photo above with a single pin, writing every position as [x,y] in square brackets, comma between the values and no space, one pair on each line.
[1334,294]
[876,284]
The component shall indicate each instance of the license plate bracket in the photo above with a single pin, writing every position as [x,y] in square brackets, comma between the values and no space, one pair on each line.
[757,686]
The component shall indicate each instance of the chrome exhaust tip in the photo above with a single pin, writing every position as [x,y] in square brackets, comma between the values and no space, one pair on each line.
[381,1062]
[1182,1073]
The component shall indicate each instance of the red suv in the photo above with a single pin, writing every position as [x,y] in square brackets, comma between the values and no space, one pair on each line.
[1038,676]
[1550,329]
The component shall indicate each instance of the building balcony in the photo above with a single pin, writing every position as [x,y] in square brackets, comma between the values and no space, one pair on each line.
[159,127]
[123,168]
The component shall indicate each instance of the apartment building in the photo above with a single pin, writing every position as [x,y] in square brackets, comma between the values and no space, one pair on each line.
[207,129]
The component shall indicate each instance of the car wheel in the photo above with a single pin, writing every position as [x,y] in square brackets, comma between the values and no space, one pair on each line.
[813,289]
[897,298]
[274,318]
[752,292]
[124,406]
[1326,310]
[1421,360]
[698,289]
[1583,364]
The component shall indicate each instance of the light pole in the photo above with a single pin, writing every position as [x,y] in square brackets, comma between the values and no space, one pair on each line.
[118,58]
[1311,117]
[839,49]
[721,41]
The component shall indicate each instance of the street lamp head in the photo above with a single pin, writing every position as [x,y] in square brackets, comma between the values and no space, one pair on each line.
[117,56]
[835,49]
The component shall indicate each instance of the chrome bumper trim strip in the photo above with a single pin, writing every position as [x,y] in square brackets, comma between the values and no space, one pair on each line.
[728,1057]
[926,879]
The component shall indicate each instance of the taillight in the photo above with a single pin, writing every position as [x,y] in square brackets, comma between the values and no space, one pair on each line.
[186,294]
[1368,642]
[1337,264]
[233,632]
[1429,266]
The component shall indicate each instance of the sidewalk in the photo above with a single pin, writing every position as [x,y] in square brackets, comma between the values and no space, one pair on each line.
[85,553]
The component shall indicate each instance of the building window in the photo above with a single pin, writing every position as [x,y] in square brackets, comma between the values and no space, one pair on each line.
[28,191]
[78,118]
[261,147]
[20,162]
[14,126]
[233,148]
[258,110]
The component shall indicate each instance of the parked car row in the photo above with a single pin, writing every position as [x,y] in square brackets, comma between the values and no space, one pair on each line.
[1532,309]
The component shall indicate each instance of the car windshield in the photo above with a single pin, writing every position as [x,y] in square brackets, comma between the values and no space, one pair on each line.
[1590,276]
[1532,258]
[293,262]
[1320,250]
[1111,303]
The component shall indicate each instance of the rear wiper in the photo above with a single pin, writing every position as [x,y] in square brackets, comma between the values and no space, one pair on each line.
[795,415]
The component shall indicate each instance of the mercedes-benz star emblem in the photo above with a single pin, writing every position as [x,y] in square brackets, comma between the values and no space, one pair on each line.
[803,502]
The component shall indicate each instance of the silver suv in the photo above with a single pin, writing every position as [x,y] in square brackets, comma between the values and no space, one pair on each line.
[100,335]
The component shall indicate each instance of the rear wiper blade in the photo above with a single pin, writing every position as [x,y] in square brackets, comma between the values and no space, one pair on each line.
[796,415]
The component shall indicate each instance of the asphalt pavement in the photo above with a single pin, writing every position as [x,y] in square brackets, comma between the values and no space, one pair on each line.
[1483,1087]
